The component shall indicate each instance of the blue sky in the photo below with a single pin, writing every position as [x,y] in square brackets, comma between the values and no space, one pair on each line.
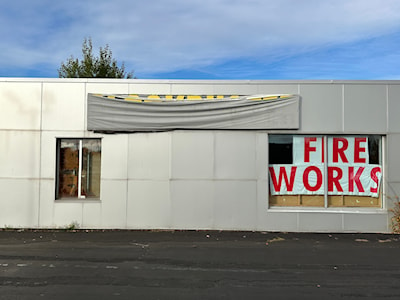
[207,39]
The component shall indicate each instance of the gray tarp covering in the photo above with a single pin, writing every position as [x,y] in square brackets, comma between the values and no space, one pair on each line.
[114,115]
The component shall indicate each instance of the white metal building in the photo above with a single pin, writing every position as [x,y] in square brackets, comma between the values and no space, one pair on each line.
[336,169]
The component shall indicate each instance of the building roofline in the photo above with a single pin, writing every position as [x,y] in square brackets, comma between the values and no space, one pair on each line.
[193,81]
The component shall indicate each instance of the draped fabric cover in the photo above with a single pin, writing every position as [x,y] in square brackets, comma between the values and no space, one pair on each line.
[116,114]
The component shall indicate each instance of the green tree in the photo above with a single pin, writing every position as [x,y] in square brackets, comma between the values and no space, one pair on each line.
[103,66]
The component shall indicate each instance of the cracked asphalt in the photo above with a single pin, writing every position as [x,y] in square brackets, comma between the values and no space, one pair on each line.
[80,264]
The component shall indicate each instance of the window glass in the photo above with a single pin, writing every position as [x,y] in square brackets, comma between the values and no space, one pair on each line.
[280,149]
[325,170]
[79,168]
[91,159]
[373,148]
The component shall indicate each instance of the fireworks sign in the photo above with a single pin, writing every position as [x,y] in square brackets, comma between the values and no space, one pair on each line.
[345,169]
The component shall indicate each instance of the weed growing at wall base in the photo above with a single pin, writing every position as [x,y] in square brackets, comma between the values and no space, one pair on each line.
[395,219]
[72,226]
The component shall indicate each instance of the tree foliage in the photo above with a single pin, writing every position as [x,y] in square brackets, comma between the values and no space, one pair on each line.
[103,66]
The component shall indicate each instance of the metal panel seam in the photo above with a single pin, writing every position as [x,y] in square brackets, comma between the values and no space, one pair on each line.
[40,153]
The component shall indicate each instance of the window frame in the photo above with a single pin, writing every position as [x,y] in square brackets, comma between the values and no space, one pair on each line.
[80,195]
[328,203]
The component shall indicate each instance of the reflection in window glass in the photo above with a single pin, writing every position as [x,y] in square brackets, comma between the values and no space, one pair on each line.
[373,147]
[280,149]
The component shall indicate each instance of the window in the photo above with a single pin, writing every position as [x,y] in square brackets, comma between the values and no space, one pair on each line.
[78,168]
[325,171]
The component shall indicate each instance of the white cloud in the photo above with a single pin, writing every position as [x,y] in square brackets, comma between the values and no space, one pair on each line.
[167,35]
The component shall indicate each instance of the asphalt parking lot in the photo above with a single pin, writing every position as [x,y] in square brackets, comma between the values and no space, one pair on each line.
[84,264]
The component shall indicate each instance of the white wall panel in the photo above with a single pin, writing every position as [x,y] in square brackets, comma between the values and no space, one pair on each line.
[19,202]
[235,205]
[365,108]
[261,155]
[114,156]
[320,221]
[239,89]
[48,152]
[192,155]
[64,106]
[67,213]
[262,181]
[262,204]
[91,214]
[279,221]
[149,204]
[321,108]
[366,222]
[192,204]
[394,108]
[20,104]
[19,154]
[272,88]
[139,87]
[149,156]
[46,203]
[109,88]
[113,195]
[235,155]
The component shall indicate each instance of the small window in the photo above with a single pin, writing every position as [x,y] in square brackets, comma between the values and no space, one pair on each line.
[78,168]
